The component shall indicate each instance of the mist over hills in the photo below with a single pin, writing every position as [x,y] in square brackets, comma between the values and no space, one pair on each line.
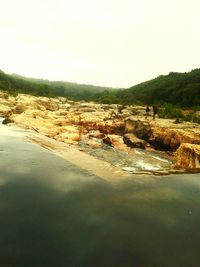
[40,87]
[181,89]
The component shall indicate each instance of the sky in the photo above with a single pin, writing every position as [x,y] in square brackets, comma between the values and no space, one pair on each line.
[116,43]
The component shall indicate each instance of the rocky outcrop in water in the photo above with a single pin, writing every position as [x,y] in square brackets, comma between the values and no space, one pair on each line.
[95,124]
[163,134]
[115,141]
[188,156]
[132,141]
[141,128]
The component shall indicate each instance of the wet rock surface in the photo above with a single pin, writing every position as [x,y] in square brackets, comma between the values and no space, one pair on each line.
[106,131]
[115,141]
[134,142]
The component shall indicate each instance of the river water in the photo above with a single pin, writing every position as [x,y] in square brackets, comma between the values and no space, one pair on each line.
[54,214]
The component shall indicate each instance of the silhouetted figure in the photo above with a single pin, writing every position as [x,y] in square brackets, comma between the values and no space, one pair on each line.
[155,111]
[147,111]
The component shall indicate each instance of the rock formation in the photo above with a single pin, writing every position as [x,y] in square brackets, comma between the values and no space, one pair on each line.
[115,141]
[132,141]
[187,156]
[120,127]
[163,134]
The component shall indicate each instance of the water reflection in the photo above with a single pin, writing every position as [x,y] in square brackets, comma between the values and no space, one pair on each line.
[54,214]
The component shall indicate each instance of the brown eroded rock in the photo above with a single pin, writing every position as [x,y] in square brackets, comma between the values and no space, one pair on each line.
[163,134]
[4,110]
[49,103]
[115,141]
[19,108]
[172,138]
[61,121]
[142,129]
[27,120]
[62,111]
[71,121]
[105,127]
[28,101]
[111,127]
[69,129]
[69,133]
[187,156]
[132,141]
[35,113]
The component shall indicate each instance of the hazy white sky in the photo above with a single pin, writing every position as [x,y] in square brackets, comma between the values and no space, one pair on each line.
[106,42]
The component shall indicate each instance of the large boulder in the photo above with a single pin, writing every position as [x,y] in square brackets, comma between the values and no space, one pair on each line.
[187,156]
[141,129]
[132,141]
[19,108]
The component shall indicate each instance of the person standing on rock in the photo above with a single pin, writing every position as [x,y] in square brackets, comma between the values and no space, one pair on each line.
[147,111]
[155,111]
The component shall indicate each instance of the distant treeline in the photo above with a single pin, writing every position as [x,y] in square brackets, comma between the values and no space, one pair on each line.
[38,87]
[181,89]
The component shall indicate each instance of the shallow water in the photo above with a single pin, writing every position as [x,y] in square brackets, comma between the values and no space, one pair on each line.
[135,161]
[53,214]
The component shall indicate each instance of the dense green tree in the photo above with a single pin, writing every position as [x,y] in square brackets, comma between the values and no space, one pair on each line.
[181,89]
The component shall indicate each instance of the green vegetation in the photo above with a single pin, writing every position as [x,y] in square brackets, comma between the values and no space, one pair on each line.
[179,89]
[170,111]
[17,84]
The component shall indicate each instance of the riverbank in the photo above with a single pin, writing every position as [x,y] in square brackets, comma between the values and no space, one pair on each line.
[122,138]
[67,215]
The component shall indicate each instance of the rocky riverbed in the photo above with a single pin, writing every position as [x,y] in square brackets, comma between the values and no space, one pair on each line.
[121,137]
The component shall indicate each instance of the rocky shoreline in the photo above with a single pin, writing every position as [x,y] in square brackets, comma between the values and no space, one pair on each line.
[92,126]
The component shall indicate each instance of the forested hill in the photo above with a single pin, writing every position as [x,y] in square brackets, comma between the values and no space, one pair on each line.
[18,84]
[182,89]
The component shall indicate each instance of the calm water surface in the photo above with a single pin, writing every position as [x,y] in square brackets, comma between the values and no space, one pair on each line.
[53,214]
